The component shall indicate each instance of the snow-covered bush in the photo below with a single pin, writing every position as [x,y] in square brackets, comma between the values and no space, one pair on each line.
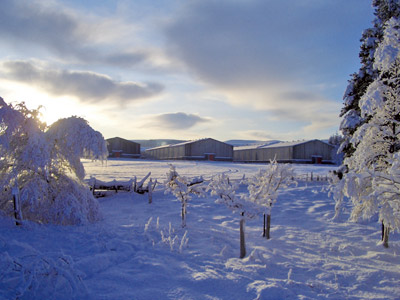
[43,164]
[263,188]
[221,186]
[182,188]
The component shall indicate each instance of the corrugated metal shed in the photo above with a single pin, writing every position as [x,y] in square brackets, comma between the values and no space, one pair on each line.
[203,149]
[312,151]
[119,147]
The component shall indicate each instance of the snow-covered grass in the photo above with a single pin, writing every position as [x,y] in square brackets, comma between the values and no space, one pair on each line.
[140,251]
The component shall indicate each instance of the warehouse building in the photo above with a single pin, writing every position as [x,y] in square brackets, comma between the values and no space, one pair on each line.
[312,151]
[119,147]
[203,149]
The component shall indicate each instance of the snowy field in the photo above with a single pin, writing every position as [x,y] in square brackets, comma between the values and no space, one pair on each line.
[140,251]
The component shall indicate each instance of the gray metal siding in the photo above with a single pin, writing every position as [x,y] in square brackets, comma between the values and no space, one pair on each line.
[210,146]
[263,155]
[313,148]
[126,146]
[173,152]
[193,150]
[291,153]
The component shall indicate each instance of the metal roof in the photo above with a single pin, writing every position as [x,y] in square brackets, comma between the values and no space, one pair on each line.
[182,144]
[277,145]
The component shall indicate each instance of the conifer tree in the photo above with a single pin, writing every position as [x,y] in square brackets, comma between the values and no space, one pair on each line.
[371,181]
[359,82]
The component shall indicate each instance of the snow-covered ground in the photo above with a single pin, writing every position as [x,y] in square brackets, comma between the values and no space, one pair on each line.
[140,251]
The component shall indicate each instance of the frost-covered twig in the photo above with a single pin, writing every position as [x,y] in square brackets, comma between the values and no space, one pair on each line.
[182,189]
[184,242]
[264,186]
[221,186]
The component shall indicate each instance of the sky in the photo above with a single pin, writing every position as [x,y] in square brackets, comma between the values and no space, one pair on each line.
[184,69]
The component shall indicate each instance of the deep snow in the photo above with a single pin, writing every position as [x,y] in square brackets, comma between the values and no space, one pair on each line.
[134,252]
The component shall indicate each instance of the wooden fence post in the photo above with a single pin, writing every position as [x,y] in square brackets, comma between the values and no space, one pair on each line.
[92,183]
[150,192]
[242,240]
[17,206]
[264,227]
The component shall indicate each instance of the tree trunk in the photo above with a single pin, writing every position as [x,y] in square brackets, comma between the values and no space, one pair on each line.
[17,210]
[386,237]
[150,193]
[268,226]
[183,214]
[264,227]
[242,240]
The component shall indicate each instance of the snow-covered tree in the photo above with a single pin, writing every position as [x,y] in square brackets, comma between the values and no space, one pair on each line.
[182,188]
[264,188]
[387,194]
[335,140]
[221,186]
[43,165]
[358,84]
[377,141]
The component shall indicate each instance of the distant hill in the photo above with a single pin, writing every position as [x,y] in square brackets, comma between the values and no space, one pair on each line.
[146,144]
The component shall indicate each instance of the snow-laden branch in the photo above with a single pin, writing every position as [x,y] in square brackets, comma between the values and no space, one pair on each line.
[44,162]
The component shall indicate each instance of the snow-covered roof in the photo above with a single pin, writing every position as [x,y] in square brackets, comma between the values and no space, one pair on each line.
[179,144]
[255,146]
[276,145]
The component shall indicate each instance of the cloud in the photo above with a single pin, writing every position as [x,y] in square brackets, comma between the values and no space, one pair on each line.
[271,55]
[267,135]
[66,33]
[87,86]
[176,121]
[236,43]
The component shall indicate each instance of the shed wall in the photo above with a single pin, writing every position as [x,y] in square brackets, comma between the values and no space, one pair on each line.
[127,147]
[264,155]
[313,148]
[199,149]
[291,153]
[193,150]
[172,152]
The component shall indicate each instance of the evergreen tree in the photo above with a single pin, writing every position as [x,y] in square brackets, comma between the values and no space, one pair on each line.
[358,84]
[371,181]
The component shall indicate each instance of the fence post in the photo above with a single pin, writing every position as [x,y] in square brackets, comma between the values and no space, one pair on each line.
[150,192]
[17,206]
[134,183]
[242,239]
[92,183]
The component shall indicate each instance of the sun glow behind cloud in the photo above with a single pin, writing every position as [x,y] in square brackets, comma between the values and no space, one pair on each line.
[52,108]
